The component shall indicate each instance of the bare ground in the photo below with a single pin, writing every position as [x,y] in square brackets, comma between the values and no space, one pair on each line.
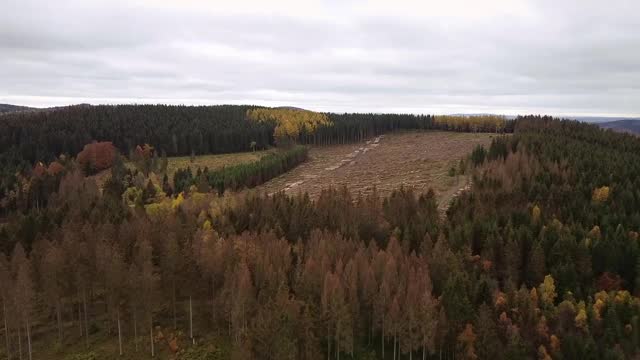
[420,160]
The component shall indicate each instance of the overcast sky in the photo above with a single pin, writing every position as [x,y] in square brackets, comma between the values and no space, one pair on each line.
[556,57]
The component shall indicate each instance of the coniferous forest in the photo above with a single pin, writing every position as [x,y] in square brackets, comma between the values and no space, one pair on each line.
[540,258]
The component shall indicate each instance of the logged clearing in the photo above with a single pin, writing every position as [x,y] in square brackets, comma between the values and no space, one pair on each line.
[420,160]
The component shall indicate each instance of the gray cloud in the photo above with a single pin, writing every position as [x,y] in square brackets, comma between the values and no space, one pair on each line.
[515,56]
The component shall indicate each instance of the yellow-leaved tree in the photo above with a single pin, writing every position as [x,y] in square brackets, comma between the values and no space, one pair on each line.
[548,291]
[581,319]
[601,194]
[290,123]
[535,214]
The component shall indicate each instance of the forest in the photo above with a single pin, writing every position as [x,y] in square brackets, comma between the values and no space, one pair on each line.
[29,138]
[539,259]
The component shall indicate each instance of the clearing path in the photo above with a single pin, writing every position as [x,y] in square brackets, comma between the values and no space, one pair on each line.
[420,160]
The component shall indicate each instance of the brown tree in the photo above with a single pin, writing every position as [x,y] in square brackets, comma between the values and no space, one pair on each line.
[97,156]
[24,293]
[467,340]
[5,291]
[243,300]
[54,281]
[170,263]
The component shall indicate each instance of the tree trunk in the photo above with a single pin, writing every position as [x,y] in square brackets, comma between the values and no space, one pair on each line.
[410,346]
[119,332]
[59,319]
[86,322]
[191,321]
[338,342]
[328,341]
[371,326]
[135,330]
[80,320]
[20,342]
[29,338]
[394,345]
[173,299]
[383,337]
[6,328]
[213,303]
[244,321]
[151,337]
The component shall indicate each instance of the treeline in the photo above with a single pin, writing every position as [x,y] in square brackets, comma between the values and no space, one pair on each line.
[346,128]
[236,177]
[178,130]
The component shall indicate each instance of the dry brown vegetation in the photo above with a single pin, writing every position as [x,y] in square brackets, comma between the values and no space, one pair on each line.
[420,160]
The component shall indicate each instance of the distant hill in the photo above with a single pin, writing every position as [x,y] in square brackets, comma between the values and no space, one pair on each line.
[7,108]
[627,125]
[289,108]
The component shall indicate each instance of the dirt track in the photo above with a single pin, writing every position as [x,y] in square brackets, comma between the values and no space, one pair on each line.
[414,159]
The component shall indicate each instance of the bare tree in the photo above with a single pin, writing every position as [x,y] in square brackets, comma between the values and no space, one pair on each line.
[24,293]
[148,279]
[5,290]
[53,264]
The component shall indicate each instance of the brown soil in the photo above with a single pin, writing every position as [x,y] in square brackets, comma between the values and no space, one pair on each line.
[420,160]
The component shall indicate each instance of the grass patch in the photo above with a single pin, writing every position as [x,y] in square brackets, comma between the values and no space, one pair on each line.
[213,161]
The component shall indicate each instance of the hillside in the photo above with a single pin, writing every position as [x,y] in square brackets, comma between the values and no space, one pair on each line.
[627,125]
[7,108]
[516,262]
[537,256]
[427,162]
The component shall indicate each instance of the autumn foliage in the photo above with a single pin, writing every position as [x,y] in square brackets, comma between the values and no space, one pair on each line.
[97,156]
[290,123]
[523,265]
[601,194]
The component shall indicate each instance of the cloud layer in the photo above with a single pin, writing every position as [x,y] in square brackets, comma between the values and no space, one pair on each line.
[503,56]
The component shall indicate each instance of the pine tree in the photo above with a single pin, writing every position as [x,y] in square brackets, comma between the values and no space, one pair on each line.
[536,268]
[455,301]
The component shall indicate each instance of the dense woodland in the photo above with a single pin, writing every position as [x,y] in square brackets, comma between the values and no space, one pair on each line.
[540,259]
[28,138]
